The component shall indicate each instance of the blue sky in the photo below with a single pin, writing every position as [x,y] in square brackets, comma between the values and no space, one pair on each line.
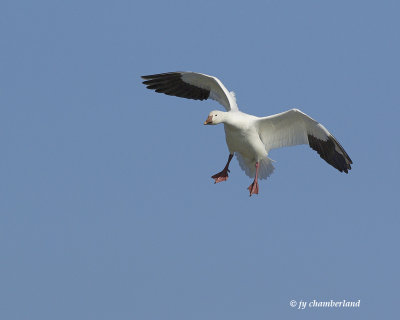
[107,206]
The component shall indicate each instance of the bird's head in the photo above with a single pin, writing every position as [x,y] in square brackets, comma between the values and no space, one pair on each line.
[215,117]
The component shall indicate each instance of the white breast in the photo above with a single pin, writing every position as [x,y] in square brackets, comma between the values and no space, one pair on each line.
[246,141]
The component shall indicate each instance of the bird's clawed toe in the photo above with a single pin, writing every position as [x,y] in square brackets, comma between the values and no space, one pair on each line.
[253,188]
[220,176]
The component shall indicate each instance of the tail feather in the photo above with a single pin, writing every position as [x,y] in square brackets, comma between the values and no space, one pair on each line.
[265,168]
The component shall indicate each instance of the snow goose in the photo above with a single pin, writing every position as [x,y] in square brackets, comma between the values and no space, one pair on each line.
[250,137]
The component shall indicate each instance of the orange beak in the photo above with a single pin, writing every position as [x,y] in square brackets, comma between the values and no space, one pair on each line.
[209,120]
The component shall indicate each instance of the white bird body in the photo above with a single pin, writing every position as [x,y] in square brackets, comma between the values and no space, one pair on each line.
[246,141]
[242,137]
[250,137]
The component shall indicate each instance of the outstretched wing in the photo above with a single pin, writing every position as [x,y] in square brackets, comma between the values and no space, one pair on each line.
[294,127]
[191,85]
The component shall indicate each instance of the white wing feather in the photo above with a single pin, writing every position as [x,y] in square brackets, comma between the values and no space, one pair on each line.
[294,127]
[191,85]
[218,91]
[289,128]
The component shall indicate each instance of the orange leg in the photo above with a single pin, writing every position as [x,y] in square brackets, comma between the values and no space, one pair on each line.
[253,188]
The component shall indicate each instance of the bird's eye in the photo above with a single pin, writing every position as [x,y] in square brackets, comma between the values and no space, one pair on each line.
[215,114]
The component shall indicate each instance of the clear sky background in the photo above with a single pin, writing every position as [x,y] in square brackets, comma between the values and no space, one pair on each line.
[107,207]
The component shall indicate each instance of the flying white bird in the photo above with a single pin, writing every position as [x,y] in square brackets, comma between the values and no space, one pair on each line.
[251,137]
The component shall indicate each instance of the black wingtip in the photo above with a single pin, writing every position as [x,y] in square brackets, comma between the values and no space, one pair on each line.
[160,75]
[327,151]
[171,83]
